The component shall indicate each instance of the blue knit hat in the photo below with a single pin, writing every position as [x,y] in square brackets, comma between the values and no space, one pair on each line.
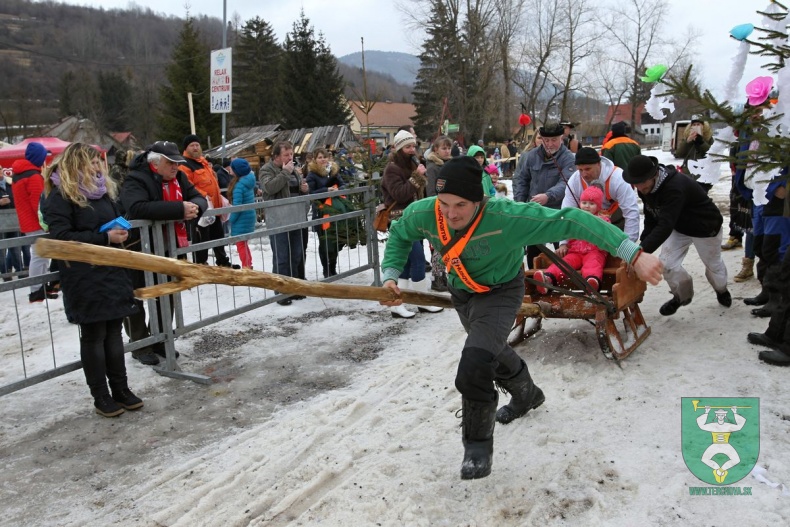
[240,167]
[36,153]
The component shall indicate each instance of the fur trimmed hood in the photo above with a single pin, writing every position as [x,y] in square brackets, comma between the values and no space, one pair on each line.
[434,158]
[319,170]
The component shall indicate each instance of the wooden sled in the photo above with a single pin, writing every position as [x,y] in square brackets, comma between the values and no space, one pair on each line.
[620,295]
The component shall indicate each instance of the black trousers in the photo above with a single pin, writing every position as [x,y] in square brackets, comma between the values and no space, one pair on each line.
[101,352]
[487,319]
[779,325]
[212,232]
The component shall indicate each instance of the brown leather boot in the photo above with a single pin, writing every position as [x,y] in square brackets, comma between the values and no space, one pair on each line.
[747,270]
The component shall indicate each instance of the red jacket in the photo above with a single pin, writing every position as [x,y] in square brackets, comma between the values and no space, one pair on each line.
[28,184]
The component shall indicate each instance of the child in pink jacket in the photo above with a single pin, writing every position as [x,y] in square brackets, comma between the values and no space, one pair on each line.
[579,254]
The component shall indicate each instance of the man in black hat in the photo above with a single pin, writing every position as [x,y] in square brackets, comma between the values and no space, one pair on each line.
[619,198]
[482,244]
[155,189]
[542,176]
[620,148]
[679,213]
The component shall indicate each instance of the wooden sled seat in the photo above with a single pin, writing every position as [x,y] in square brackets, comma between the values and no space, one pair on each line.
[620,296]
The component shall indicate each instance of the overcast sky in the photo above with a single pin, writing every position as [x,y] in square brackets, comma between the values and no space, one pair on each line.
[384,26]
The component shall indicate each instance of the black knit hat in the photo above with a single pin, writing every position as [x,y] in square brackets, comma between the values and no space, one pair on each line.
[640,169]
[587,156]
[462,176]
[619,129]
[552,130]
[188,140]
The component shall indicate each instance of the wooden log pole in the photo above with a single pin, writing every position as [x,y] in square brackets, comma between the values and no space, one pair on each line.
[188,275]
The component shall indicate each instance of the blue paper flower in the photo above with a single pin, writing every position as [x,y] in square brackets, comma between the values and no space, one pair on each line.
[742,31]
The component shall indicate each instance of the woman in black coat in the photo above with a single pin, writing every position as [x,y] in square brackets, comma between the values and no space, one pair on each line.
[79,201]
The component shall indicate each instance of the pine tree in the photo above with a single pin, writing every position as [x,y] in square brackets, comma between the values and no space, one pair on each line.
[256,68]
[188,72]
[436,76]
[311,85]
[114,100]
[774,143]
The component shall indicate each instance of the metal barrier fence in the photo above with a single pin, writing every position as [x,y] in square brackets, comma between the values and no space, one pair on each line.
[36,348]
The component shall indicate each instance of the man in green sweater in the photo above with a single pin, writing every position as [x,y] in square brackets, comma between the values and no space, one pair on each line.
[486,242]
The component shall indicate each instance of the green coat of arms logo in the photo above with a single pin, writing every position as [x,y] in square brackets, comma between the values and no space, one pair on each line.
[720,437]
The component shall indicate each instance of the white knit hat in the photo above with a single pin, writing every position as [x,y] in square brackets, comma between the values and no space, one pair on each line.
[404,138]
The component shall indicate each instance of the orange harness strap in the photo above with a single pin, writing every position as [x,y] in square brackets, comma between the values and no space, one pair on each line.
[453,257]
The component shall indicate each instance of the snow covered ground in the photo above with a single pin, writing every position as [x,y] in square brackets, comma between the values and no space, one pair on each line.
[333,413]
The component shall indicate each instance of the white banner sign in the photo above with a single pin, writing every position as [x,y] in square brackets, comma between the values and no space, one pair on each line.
[221,86]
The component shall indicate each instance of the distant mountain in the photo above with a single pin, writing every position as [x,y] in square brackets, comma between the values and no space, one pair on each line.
[401,66]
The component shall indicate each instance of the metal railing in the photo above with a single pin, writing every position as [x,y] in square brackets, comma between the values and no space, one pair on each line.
[36,345]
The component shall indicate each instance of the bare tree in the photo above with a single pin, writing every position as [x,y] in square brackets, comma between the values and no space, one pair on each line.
[581,37]
[509,25]
[539,45]
[636,26]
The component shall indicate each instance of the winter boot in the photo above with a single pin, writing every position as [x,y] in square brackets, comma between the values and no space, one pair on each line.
[424,286]
[774,303]
[125,398]
[401,311]
[593,282]
[477,428]
[439,283]
[758,300]
[747,270]
[731,243]
[104,404]
[524,396]
[542,276]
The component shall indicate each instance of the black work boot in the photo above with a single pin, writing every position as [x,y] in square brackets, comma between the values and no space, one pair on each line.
[477,422]
[524,396]
[125,398]
[104,404]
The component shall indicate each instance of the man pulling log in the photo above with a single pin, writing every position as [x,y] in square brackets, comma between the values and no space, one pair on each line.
[482,243]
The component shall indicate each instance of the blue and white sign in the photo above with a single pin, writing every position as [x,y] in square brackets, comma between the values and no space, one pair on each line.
[221,85]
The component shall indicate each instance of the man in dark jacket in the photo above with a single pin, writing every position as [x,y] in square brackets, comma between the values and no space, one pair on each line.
[543,174]
[620,148]
[155,189]
[678,213]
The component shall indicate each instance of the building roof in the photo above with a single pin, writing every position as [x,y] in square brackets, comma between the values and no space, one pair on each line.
[303,139]
[387,114]
[73,129]
[622,112]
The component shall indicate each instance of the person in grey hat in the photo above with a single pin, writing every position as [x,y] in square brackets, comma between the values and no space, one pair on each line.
[541,177]
[155,189]
[678,214]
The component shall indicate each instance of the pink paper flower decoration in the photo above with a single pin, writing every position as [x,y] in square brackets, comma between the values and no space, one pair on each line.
[758,90]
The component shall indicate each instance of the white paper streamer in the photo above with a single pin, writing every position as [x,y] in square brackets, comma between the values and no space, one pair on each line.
[658,102]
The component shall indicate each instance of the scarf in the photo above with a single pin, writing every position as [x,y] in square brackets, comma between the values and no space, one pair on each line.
[98,192]
[171,191]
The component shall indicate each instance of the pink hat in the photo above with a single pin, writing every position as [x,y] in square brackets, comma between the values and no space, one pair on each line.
[593,194]
[491,169]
